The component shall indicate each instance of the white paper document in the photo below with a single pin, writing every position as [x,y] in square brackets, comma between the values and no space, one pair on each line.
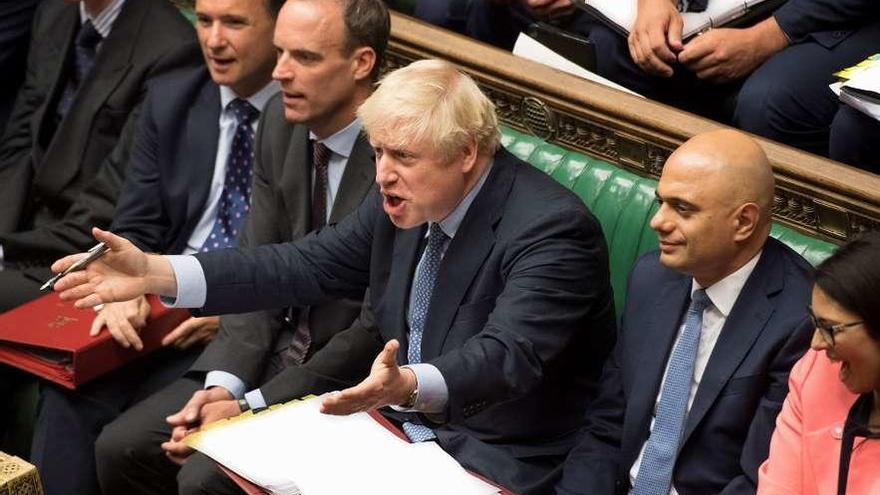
[529,48]
[862,91]
[717,13]
[295,450]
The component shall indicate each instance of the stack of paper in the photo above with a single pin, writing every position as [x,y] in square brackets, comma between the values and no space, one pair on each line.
[294,449]
[529,48]
[621,14]
[860,86]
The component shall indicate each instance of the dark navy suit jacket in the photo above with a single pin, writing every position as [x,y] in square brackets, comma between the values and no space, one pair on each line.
[727,431]
[172,162]
[520,323]
[828,22]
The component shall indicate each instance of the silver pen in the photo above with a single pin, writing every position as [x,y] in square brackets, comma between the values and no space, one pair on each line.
[94,253]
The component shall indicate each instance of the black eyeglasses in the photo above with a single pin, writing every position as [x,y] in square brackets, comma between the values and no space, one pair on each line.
[827,331]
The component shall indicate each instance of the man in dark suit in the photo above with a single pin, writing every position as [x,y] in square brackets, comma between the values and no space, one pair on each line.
[488,276]
[76,103]
[88,66]
[713,322]
[349,39]
[187,184]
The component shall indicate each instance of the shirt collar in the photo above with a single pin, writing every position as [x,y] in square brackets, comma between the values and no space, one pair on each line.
[102,22]
[724,293]
[342,142]
[450,224]
[258,99]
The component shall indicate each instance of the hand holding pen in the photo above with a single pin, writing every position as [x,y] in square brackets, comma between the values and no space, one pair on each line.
[92,254]
[120,272]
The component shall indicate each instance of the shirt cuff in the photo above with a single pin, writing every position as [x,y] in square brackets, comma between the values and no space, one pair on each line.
[191,284]
[255,399]
[227,380]
[433,393]
[1,257]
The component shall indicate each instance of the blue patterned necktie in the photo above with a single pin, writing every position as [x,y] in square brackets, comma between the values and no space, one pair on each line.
[233,207]
[658,462]
[424,287]
[85,49]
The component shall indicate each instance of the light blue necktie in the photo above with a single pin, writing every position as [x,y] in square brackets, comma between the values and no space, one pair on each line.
[424,287]
[658,462]
[234,199]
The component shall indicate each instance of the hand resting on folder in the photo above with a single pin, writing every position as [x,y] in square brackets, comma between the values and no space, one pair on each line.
[205,407]
[387,384]
[726,54]
[655,38]
[719,55]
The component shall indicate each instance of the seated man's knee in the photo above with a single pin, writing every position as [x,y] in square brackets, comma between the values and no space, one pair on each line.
[855,139]
[116,446]
[200,475]
[757,107]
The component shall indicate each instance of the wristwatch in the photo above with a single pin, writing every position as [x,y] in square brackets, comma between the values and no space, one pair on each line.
[411,400]
[243,405]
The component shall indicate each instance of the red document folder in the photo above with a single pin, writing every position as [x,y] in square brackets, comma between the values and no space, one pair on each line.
[50,338]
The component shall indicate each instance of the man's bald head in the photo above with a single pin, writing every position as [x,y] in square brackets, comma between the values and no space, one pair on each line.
[731,163]
[716,196]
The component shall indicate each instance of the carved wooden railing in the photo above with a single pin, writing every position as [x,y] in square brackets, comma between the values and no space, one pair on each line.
[815,195]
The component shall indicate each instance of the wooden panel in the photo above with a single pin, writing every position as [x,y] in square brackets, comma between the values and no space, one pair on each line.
[816,195]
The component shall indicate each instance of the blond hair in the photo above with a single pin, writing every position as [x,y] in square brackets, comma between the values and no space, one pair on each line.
[431,101]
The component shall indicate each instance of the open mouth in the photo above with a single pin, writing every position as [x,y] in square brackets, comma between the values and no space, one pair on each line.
[392,200]
[221,63]
[291,97]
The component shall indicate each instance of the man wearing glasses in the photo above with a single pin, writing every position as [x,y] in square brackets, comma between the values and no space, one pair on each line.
[712,325]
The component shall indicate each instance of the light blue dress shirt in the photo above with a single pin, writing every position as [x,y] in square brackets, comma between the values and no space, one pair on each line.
[433,393]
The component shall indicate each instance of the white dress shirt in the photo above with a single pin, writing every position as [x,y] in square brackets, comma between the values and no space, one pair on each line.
[227,125]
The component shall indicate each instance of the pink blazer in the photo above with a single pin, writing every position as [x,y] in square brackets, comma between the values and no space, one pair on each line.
[805,449]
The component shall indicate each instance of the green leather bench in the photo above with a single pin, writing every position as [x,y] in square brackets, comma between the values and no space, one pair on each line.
[624,203]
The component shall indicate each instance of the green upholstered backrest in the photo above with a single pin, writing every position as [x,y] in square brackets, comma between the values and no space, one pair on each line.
[623,202]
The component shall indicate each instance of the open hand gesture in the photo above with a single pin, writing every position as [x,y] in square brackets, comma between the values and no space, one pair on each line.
[388,384]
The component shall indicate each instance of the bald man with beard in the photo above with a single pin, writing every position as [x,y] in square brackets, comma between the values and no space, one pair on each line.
[713,322]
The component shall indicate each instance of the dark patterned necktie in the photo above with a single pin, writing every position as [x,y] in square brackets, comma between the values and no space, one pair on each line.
[233,207]
[425,280]
[85,49]
[321,160]
[302,336]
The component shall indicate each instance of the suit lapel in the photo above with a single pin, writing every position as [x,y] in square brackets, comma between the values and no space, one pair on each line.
[66,28]
[466,253]
[652,349]
[198,147]
[356,180]
[744,324]
[112,62]
[296,182]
